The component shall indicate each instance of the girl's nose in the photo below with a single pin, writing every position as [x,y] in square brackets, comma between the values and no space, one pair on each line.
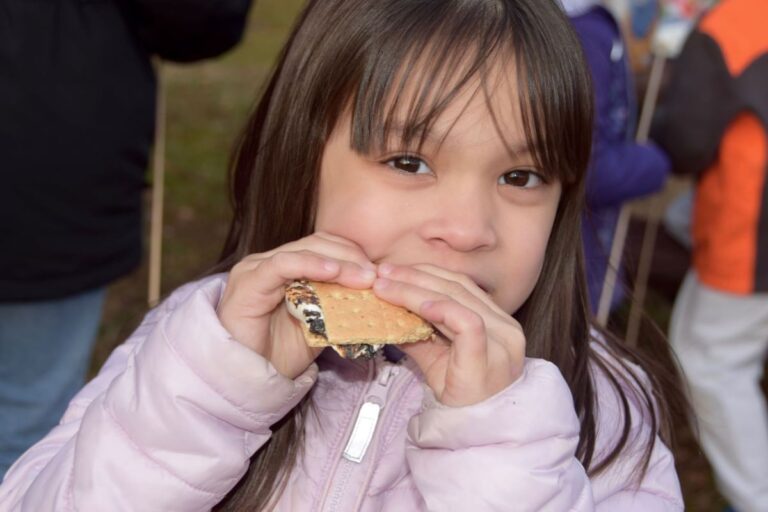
[463,223]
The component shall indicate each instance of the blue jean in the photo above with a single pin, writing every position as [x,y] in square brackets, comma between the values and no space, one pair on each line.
[45,350]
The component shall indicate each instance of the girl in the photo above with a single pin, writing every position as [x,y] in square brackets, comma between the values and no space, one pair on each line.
[434,151]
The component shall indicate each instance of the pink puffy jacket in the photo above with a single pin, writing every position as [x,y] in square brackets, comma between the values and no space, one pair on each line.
[170,423]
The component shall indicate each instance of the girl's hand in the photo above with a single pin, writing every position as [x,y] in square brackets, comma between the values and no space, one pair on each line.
[481,349]
[252,308]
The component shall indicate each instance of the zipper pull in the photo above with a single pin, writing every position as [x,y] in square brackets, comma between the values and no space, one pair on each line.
[368,416]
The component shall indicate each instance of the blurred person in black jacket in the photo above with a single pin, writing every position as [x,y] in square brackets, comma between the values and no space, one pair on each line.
[77,107]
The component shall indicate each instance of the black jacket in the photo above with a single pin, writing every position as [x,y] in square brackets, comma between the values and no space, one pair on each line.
[77,101]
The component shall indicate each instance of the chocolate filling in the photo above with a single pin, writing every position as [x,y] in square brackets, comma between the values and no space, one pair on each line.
[359,350]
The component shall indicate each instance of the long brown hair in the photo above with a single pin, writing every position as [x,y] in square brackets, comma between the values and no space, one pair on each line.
[360,55]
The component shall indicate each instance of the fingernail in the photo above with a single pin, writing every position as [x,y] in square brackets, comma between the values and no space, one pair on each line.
[369,265]
[330,265]
[367,274]
[385,269]
[381,283]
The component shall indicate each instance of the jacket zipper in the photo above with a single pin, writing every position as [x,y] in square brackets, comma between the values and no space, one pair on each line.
[375,447]
[368,416]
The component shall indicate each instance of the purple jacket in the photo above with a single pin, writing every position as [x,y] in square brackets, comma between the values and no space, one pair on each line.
[620,169]
[170,423]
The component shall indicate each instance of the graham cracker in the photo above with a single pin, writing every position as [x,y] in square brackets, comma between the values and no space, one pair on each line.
[359,317]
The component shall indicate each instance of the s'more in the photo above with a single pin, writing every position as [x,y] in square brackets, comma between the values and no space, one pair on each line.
[355,323]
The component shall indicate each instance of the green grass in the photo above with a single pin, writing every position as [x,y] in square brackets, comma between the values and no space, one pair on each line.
[207,104]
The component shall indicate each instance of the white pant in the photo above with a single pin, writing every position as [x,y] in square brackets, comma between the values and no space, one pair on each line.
[721,340]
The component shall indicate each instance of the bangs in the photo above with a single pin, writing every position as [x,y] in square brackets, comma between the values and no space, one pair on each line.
[428,54]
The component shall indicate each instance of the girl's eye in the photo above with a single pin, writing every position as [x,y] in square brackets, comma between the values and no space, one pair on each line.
[522,179]
[409,164]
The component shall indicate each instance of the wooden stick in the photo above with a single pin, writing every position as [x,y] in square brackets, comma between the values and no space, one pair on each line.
[158,192]
[611,271]
[622,224]
[653,214]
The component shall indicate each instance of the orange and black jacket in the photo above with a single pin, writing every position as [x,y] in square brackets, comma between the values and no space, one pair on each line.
[715,125]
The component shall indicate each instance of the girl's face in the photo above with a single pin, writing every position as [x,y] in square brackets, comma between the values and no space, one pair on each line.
[466,204]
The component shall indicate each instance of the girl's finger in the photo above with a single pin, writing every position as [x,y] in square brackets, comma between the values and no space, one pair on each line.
[335,247]
[465,282]
[268,279]
[323,248]
[457,286]
[495,319]
[430,356]
[469,353]
[321,244]
[405,294]
[461,325]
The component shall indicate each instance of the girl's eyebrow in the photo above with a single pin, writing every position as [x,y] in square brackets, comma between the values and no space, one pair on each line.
[437,137]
